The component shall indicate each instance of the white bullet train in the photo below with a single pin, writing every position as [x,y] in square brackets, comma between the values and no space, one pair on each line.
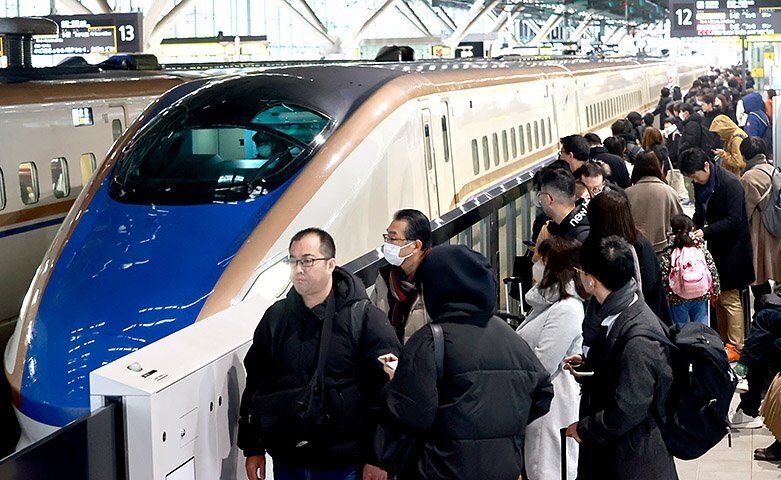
[194,206]
[54,132]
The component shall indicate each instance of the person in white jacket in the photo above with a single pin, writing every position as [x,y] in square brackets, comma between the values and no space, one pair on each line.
[553,331]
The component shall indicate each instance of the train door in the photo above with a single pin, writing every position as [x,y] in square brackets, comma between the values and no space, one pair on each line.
[429,158]
[444,162]
[565,106]
[117,118]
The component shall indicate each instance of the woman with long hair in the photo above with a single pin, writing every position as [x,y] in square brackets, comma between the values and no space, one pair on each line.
[653,141]
[652,201]
[553,331]
[610,214]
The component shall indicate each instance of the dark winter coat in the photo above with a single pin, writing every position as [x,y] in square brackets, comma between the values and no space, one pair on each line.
[651,278]
[661,107]
[691,133]
[618,172]
[621,438]
[474,419]
[575,225]
[284,355]
[724,224]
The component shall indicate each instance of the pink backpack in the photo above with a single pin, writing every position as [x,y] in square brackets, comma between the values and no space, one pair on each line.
[690,276]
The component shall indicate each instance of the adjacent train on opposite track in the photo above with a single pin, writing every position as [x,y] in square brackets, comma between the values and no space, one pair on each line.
[192,209]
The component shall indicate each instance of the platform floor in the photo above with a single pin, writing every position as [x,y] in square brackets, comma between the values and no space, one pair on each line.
[736,463]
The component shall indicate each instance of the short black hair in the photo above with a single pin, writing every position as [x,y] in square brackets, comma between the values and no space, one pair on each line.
[635,118]
[687,107]
[648,119]
[615,145]
[609,260]
[709,98]
[561,182]
[593,139]
[665,92]
[621,126]
[750,147]
[418,225]
[692,159]
[577,146]
[327,245]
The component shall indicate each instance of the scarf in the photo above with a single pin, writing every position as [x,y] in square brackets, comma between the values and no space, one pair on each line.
[615,303]
[403,294]
[705,191]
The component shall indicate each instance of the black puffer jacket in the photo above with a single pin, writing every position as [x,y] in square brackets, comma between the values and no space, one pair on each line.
[621,439]
[691,133]
[283,356]
[493,385]
[724,225]
[575,224]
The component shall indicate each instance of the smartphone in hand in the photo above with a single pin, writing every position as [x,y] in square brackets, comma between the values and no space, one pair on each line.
[389,360]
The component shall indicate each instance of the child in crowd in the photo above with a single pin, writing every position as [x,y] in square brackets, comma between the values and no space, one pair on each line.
[689,274]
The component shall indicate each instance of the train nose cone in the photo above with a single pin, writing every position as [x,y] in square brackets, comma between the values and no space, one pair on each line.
[129,275]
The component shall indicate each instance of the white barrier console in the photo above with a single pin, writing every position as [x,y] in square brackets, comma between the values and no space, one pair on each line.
[181,398]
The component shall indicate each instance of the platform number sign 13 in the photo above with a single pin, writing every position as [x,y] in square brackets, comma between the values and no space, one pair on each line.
[683,19]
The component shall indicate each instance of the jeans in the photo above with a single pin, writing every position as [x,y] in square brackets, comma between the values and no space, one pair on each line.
[694,311]
[284,472]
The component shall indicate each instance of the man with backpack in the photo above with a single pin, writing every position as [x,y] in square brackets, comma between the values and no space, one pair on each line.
[619,432]
[757,182]
[757,121]
[724,225]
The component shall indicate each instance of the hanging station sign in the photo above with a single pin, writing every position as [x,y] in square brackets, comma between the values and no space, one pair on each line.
[84,34]
[721,18]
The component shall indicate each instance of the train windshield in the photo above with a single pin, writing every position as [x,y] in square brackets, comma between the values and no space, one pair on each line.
[183,159]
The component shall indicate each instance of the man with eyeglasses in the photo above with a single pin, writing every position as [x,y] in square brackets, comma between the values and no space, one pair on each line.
[397,288]
[312,391]
[556,197]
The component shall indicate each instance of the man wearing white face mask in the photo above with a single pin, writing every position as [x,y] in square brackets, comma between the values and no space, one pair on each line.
[397,288]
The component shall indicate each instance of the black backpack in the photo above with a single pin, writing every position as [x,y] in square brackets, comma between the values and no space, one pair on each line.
[696,411]
[710,141]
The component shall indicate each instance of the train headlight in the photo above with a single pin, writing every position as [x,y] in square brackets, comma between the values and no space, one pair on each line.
[272,282]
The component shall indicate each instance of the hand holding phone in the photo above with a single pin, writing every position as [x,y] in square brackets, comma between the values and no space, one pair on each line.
[577,371]
[389,363]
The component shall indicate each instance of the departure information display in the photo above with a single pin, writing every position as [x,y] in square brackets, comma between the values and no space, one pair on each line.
[84,34]
[718,18]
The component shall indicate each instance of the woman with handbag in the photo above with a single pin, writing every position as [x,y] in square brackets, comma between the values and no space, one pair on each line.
[553,330]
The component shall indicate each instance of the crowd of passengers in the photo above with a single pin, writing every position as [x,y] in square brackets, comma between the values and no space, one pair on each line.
[422,380]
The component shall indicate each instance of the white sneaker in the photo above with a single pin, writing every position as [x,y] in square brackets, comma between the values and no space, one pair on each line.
[742,386]
[741,420]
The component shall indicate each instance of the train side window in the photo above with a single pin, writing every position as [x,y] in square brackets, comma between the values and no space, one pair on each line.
[2,190]
[445,139]
[116,128]
[475,157]
[513,141]
[486,154]
[505,147]
[529,136]
[536,136]
[88,164]
[520,138]
[542,132]
[28,183]
[588,116]
[60,179]
[550,136]
[427,145]
[495,138]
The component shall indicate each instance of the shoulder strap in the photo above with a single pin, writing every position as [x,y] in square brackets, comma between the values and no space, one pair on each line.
[760,118]
[767,192]
[325,339]
[439,348]
[357,316]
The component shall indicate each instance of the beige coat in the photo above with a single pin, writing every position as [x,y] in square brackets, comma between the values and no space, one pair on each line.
[732,136]
[418,317]
[653,203]
[766,247]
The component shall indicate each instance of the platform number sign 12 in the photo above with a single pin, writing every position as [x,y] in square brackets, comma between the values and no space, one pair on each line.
[683,18]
